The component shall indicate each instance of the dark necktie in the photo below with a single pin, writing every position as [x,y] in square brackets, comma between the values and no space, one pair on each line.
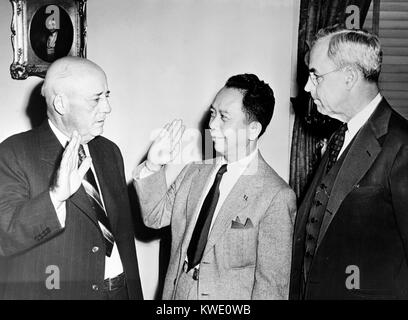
[335,145]
[91,189]
[200,234]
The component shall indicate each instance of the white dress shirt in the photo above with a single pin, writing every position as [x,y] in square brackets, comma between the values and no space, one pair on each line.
[355,123]
[113,264]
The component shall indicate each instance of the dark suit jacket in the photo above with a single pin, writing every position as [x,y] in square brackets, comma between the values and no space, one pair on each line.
[366,220]
[31,238]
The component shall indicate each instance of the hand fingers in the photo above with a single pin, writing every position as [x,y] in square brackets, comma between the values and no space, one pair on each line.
[176,143]
[73,159]
[175,126]
[67,155]
[178,135]
[175,151]
[75,153]
[164,131]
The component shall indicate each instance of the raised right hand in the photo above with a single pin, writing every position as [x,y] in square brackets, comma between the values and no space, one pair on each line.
[69,176]
[166,146]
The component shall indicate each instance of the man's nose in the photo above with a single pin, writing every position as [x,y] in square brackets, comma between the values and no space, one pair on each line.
[309,85]
[213,123]
[106,107]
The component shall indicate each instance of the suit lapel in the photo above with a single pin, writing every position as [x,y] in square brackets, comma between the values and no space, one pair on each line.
[357,162]
[244,190]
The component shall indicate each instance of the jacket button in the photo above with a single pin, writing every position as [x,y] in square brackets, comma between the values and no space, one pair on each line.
[95,249]
[95,287]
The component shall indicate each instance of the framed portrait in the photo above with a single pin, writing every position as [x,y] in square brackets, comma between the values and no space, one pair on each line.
[43,31]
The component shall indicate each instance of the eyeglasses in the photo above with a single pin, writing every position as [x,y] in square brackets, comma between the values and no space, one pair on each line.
[318,78]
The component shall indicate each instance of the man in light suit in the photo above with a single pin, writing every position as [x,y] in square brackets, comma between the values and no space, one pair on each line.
[65,222]
[232,218]
[351,231]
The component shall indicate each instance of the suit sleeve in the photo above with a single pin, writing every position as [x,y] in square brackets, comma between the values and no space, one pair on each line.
[398,181]
[156,200]
[272,271]
[25,221]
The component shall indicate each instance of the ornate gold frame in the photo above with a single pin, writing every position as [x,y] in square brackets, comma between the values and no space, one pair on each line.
[26,63]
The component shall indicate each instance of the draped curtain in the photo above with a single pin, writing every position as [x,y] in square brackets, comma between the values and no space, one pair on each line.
[310,128]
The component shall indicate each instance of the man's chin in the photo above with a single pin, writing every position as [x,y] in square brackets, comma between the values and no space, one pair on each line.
[319,108]
[219,147]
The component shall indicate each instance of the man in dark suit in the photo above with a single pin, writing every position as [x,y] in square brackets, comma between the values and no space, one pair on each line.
[351,231]
[65,221]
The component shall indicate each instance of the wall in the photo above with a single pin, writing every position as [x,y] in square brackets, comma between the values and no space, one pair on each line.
[166,59]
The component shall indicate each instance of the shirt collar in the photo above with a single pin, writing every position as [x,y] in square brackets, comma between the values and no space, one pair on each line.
[361,117]
[62,138]
[240,165]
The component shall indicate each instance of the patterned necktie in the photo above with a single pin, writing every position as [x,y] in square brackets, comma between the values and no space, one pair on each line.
[91,188]
[200,234]
[335,145]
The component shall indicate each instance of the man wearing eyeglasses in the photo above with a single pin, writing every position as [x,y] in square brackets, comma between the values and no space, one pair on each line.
[351,231]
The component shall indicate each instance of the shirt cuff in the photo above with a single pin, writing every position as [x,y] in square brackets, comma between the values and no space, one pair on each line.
[60,209]
[142,171]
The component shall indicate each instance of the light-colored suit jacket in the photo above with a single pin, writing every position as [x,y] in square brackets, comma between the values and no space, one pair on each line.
[248,252]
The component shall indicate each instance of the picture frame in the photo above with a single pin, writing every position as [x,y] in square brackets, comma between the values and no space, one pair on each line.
[43,31]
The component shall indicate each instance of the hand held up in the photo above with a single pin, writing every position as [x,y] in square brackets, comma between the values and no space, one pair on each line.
[166,146]
[69,176]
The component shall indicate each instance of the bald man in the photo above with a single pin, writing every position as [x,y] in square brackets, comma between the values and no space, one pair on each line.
[66,230]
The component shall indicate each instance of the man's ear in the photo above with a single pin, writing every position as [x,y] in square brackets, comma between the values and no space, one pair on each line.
[60,104]
[352,76]
[255,129]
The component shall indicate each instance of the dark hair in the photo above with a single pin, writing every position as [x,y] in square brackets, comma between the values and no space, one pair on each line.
[258,100]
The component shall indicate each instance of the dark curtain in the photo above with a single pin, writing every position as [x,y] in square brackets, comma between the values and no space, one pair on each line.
[310,127]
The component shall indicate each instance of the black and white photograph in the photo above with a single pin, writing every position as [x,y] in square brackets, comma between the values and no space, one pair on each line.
[220,154]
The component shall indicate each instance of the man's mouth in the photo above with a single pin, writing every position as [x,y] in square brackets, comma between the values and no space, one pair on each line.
[216,137]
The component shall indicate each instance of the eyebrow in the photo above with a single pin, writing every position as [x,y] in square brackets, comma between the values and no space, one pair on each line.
[101,93]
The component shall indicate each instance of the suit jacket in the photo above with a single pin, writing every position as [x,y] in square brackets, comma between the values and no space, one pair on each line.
[362,248]
[247,255]
[32,242]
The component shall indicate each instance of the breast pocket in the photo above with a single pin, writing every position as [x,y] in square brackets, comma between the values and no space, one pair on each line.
[367,194]
[240,247]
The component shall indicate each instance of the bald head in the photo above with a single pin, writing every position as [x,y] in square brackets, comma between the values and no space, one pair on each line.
[64,75]
[76,92]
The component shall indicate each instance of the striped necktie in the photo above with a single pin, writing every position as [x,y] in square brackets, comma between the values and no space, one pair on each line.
[91,188]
